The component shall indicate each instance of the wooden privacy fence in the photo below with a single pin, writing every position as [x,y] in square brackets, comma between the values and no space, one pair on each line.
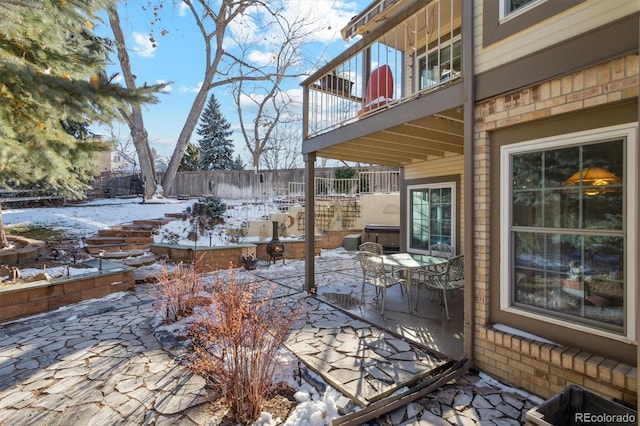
[237,184]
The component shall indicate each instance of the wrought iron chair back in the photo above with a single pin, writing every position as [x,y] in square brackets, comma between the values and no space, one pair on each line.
[449,279]
[441,250]
[376,274]
[371,247]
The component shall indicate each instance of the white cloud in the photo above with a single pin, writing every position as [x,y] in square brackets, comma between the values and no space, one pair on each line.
[186,89]
[183,9]
[330,16]
[168,88]
[143,46]
[261,58]
[250,101]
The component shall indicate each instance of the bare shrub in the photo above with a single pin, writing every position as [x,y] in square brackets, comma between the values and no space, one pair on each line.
[180,292]
[235,344]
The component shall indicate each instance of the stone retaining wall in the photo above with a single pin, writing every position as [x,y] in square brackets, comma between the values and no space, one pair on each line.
[215,258]
[24,299]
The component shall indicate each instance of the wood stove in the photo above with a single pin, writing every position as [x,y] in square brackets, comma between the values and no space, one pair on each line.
[275,247]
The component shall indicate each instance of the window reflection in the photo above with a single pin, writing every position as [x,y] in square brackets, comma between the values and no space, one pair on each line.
[431,220]
[567,238]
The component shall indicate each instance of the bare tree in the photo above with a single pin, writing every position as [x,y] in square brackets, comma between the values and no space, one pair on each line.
[263,106]
[213,26]
[133,116]
[219,22]
[283,148]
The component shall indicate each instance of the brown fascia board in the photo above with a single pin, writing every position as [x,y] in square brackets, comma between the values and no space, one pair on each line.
[590,48]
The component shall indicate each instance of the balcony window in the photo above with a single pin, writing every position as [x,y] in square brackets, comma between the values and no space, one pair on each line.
[439,65]
[566,217]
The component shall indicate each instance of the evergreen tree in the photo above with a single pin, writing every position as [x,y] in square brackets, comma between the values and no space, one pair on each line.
[52,76]
[190,160]
[216,147]
[238,164]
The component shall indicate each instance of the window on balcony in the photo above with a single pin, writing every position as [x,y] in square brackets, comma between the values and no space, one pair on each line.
[565,217]
[439,65]
[431,216]
[504,18]
[507,7]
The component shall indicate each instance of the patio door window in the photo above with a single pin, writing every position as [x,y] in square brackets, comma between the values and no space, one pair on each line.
[431,216]
[565,253]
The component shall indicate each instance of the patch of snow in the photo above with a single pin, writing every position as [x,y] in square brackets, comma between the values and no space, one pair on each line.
[316,411]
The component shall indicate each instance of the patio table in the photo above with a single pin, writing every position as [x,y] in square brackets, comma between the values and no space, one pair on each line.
[411,262]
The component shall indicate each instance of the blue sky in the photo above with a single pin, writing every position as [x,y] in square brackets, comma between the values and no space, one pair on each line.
[179,57]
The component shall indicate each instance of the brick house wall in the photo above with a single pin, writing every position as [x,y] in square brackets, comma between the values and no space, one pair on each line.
[542,368]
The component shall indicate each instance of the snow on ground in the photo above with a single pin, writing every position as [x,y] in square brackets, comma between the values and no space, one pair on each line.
[81,220]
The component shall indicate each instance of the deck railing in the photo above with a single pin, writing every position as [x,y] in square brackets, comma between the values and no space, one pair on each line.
[413,54]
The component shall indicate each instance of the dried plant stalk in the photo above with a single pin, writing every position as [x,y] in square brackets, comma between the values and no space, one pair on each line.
[179,288]
[235,344]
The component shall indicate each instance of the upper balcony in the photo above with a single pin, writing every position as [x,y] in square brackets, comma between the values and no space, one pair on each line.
[401,79]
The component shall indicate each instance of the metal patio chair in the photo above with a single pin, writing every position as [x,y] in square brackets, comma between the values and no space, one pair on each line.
[377,248]
[370,246]
[376,274]
[441,250]
[447,280]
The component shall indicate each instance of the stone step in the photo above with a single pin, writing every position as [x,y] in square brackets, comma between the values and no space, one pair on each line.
[96,239]
[156,223]
[139,227]
[123,254]
[94,249]
[125,232]
[137,261]
[183,215]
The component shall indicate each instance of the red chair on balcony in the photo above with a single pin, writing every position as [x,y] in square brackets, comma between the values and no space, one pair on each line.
[379,90]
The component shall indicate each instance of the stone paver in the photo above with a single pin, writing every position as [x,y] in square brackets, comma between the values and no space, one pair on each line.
[103,362]
[109,375]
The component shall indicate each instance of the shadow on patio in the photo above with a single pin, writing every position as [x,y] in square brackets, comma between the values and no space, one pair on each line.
[339,283]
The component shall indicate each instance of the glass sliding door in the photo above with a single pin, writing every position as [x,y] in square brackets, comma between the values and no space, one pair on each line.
[431,216]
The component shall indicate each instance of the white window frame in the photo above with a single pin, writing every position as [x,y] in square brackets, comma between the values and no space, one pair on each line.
[454,214]
[425,56]
[627,131]
[505,16]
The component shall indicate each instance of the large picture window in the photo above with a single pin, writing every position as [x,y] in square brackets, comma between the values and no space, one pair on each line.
[564,227]
[431,216]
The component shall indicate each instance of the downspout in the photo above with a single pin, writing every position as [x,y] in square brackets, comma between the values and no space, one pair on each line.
[468,76]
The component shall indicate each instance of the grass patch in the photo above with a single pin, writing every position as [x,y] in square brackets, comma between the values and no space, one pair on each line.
[35,232]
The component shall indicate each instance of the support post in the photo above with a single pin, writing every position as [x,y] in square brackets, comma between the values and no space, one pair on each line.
[469,134]
[309,223]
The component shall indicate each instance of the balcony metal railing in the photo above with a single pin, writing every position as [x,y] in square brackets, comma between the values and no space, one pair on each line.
[416,51]
[367,182]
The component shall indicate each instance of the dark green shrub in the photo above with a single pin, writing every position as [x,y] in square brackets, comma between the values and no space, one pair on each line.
[206,213]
